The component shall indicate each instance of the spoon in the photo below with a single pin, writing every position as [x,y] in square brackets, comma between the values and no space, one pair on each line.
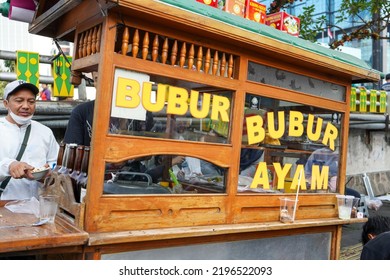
[40,222]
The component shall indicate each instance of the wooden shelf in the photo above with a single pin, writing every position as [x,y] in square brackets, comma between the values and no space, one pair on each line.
[86,64]
[96,239]
[45,238]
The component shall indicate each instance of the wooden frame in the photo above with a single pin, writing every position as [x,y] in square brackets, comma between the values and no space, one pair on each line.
[116,223]
[225,209]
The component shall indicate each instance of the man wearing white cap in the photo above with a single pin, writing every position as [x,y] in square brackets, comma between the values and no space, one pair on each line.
[18,130]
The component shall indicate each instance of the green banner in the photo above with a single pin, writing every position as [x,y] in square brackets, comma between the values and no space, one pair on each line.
[27,67]
[352,102]
[373,98]
[363,101]
[61,74]
[382,101]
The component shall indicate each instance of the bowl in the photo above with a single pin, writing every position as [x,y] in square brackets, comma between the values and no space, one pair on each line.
[39,173]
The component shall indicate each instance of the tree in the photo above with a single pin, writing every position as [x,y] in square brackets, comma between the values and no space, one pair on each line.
[371,18]
[10,67]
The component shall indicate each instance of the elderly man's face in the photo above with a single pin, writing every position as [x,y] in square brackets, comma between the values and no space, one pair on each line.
[21,103]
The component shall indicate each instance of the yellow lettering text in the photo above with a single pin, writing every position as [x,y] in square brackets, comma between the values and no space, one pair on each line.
[177,101]
[276,134]
[299,178]
[295,124]
[330,136]
[147,97]
[261,177]
[281,173]
[203,112]
[127,93]
[319,179]
[256,132]
[221,105]
[313,136]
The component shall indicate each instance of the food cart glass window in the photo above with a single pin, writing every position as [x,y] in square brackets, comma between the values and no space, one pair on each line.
[292,81]
[164,174]
[143,106]
[287,145]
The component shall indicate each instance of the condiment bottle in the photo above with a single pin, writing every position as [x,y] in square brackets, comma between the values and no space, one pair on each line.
[69,164]
[60,156]
[82,179]
[76,170]
[64,160]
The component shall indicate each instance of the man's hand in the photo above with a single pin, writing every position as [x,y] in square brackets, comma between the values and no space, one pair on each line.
[19,170]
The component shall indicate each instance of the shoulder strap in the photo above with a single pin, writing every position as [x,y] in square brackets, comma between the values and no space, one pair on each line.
[18,157]
[24,143]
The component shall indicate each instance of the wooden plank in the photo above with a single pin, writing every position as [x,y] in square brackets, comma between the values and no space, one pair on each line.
[100,124]
[166,243]
[118,212]
[118,148]
[86,64]
[27,238]
[204,231]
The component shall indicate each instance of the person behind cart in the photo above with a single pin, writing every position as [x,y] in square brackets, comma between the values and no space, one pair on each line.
[376,238]
[386,86]
[25,145]
[79,128]
[326,157]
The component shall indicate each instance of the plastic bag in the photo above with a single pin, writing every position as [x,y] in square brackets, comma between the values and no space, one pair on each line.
[27,206]
[374,203]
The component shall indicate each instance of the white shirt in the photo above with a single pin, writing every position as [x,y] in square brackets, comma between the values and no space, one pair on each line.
[41,148]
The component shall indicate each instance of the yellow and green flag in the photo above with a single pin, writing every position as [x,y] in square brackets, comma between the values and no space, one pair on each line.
[352,102]
[373,98]
[62,75]
[27,67]
[382,101]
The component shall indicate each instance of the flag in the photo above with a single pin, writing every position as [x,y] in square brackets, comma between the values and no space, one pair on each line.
[27,67]
[330,35]
[61,74]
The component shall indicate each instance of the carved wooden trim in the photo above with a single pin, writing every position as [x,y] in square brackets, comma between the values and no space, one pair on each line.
[161,49]
[88,41]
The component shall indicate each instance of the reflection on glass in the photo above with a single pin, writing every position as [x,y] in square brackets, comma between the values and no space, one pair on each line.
[298,147]
[165,111]
[164,174]
[322,161]
[292,81]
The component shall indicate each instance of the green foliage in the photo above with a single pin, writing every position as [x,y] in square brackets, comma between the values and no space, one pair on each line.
[277,5]
[310,27]
[378,19]
[10,67]
[10,64]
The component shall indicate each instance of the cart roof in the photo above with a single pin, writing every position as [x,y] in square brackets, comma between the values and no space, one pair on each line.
[215,24]
[281,37]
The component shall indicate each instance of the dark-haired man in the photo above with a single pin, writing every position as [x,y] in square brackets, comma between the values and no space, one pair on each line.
[386,86]
[376,239]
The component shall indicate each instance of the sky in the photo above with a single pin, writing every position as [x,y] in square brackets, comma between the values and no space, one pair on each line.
[14,36]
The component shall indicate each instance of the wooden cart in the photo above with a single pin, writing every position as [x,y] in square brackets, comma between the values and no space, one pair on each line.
[232,84]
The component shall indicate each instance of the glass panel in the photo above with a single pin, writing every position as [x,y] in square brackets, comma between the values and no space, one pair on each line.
[164,174]
[286,145]
[284,79]
[148,106]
